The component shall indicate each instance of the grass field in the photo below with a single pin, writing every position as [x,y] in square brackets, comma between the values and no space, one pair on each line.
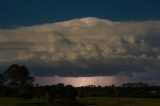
[88,101]
[12,101]
[104,101]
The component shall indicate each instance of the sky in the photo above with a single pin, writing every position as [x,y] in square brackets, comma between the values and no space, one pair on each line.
[91,40]
[15,13]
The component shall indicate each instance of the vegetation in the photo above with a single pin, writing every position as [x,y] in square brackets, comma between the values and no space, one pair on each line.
[18,77]
[129,90]
[111,101]
[86,101]
[16,82]
[16,87]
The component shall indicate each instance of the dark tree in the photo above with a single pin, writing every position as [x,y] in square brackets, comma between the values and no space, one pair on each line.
[70,94]
[26,93]
[18,76]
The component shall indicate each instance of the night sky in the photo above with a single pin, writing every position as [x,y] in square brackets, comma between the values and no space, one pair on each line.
[15,13]
[82,41]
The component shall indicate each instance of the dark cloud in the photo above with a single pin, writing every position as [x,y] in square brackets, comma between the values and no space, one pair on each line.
[84,47]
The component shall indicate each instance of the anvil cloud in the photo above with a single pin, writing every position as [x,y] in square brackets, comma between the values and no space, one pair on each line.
[85,47]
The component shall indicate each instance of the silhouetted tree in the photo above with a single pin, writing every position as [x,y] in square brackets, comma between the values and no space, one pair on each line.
[26,93]
[18,76]
[70,94]
[49,94]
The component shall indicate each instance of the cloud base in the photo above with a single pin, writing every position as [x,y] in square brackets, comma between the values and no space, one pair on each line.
[85,47]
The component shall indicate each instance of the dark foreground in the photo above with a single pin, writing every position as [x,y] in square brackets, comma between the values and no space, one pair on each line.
[87,101]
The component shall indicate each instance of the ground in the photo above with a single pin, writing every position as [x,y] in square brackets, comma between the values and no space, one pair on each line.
[104,101]
[87,101]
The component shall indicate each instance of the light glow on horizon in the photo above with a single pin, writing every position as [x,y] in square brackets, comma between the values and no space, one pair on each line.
[94,80]
[79,81]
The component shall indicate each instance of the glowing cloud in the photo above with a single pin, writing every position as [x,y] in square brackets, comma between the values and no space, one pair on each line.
[84,47]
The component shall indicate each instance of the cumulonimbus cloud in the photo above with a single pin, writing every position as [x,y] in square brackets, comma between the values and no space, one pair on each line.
[84,47]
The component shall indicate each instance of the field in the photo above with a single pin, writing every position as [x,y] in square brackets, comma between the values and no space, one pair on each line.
[103,101]
[12,101]
[88,101]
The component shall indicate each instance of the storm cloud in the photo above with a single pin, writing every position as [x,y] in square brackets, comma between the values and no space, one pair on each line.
[85,47]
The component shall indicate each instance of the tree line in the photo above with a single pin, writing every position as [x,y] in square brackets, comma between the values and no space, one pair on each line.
[17,82]
[129,90]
